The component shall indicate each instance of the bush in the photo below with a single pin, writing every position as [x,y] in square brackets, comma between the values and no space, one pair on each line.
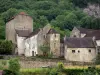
[14,66]
[53,71]
[8,72]
[60,66]
[6,47]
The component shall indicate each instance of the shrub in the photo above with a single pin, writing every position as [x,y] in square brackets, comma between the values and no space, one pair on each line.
[14,66]
[8,72]
[53,71]
[6,47]
[60,66]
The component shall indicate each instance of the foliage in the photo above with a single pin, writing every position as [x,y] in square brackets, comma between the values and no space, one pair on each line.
[90,71]
[45,49]
[6,47]
[14,66]
[97,60]
[60,66]
[62,14]
[8,72]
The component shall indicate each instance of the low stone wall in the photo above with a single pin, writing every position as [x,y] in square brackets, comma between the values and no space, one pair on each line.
[51,63]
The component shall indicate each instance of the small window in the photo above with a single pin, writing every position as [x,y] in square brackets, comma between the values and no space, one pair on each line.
[89,51]
[73,51]
[74,35]
[55,35]
[78,51]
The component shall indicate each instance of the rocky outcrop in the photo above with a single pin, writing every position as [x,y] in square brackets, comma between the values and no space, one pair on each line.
[93,10]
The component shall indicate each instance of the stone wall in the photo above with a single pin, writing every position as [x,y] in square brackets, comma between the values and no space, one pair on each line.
[19,22]
[80,54]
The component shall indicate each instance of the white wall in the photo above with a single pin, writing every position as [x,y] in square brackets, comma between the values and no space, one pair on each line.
[98,42]
[20,45]
[31,45]
[83,56]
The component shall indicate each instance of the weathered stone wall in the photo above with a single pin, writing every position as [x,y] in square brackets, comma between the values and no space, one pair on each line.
[80,54]
[19,22]
[55,44]
[75,33]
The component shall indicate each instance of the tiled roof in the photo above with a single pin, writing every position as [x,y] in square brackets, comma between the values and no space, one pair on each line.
[86,42]
[84,30]
[90,33]
[33,33]
[51,31]
[95,33]
[23,33]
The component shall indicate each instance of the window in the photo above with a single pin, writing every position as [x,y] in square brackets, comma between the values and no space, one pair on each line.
[78,51]
[74,35]
[89,51]
[55,35]
[73,51]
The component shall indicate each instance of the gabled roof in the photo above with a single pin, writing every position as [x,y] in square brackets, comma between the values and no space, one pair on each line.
[33,33]
[51,31]
[86,42]
[95,34]
[23,33]
[84,30]
[90,33]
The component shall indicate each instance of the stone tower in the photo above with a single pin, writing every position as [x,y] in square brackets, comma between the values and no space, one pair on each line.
[19,22]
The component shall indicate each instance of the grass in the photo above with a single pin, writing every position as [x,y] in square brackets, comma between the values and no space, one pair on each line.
[80,67]
[34,70]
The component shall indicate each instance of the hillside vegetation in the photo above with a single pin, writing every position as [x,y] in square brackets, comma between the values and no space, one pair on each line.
[63,15]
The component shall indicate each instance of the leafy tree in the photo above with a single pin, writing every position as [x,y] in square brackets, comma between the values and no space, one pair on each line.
[2,29]
[9,14]
[6,47]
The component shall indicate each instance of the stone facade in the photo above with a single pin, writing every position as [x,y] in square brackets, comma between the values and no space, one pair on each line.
[31,46]
[80,49]
[54,41]
[20,45]
[20,21]
[75,33]
[80,54]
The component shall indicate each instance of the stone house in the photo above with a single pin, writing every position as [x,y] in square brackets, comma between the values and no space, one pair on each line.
[54,42]
[82,32]
[18,22]
[80,49]
[31,44]
[21,36]
[28,43]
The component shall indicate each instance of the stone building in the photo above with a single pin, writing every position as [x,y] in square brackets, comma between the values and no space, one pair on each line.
[82,32]
[31,44]
[80,49]
[54,42]
[28,43]
[19,22]
[21,36]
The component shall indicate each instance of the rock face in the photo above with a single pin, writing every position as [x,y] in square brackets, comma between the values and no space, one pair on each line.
[93,10]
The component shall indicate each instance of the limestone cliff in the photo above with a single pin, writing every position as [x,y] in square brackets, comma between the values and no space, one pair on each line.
[93,10]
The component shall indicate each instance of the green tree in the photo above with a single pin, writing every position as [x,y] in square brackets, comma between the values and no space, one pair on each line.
[9,14]
[2,29]
[6,47]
